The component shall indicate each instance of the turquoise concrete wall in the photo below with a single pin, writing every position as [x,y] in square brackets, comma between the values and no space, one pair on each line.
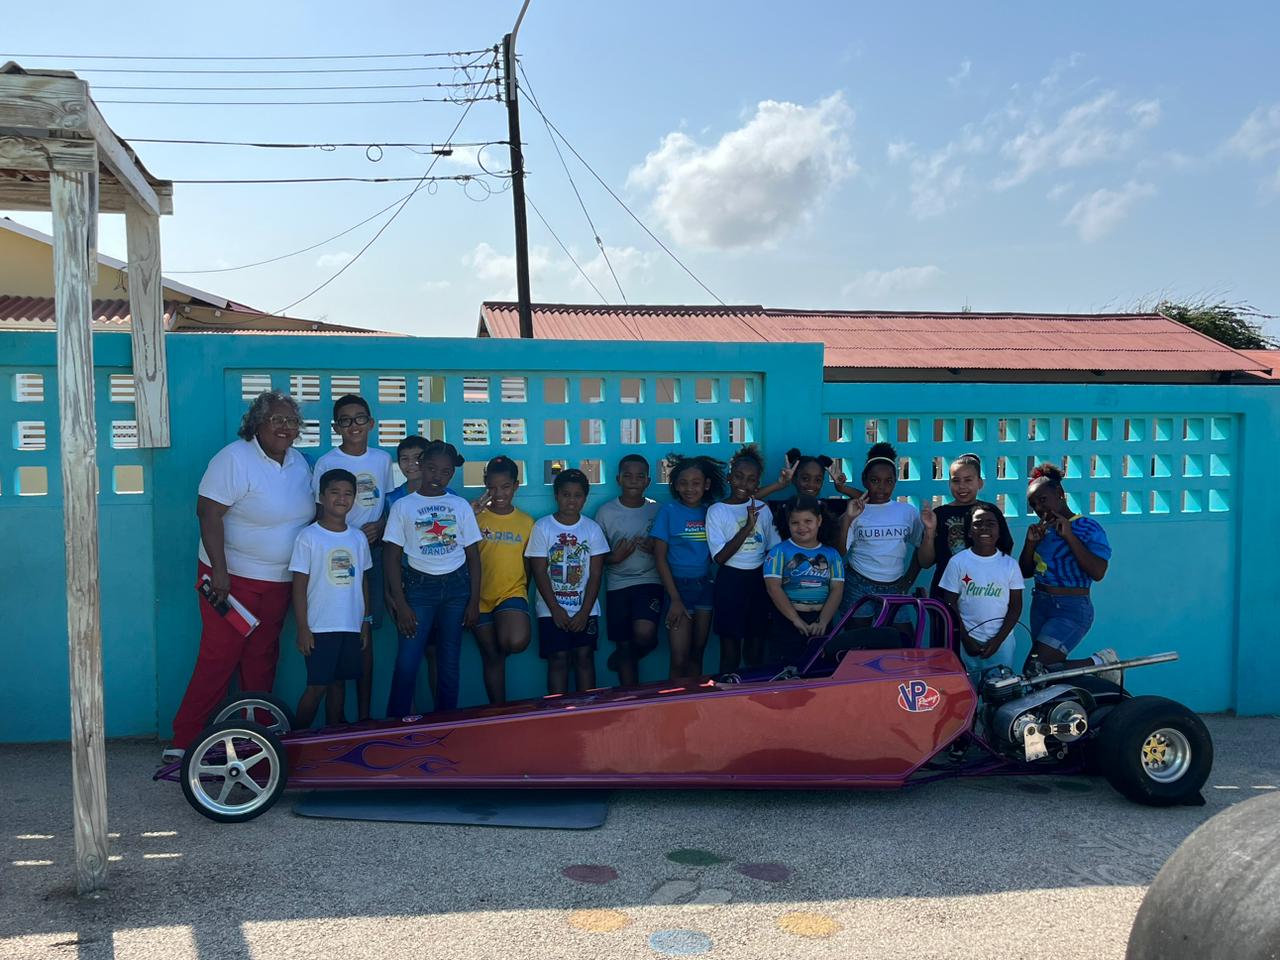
[1195,580]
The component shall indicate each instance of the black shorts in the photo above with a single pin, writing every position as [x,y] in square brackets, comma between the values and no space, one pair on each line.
[787,645]
[334,658]
[551,639]
[742,605]
[623,607]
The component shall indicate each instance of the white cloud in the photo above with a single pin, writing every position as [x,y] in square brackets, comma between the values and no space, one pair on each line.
[327,261]
[492,268]
[1097,214]
[757,182]
[1146,113]
[554,277]
[899,150]
[961,74]
[629,264]
[432,286]
[877,285]
[938,179]
[1258,135]
[1089,132]
[1057,192]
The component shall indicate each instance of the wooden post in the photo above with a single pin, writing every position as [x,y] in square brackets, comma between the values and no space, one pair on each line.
[146,307]
[72,194]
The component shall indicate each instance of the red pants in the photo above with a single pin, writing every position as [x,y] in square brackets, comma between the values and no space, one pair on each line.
[224,653]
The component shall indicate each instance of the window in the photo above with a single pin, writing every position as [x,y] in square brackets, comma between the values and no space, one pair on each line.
[251,385]
[124,434]
[28,388]
[555,390]
[631,390]
[126,479]
[29,435]
[304,387]
[475,390]
[555,432]
[515,389]
[431,429]
[390,432]
[631,431]
[667,390]
[591,390]
[33,482]
[705,431]
[475,431]
[513,431]
[740,430]
[704,390]
[666,430]
[591,431]
[341,384]
[431,389]
[392,390]
[740,390]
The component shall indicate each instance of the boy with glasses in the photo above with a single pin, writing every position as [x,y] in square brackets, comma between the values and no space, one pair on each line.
[353,421]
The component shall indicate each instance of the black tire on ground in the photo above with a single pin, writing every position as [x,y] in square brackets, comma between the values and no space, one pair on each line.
[260,757]
[235,707]
[1215,898]
[1155,751]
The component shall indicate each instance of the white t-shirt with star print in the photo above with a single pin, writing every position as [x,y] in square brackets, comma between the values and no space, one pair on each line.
[983,586]
[434,531]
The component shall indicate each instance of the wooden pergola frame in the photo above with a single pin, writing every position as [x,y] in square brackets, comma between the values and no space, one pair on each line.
[57,154]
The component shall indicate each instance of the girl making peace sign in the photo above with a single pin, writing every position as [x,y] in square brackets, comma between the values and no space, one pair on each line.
[740,533]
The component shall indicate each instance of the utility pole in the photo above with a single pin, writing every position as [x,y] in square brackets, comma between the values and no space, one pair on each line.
[517,178]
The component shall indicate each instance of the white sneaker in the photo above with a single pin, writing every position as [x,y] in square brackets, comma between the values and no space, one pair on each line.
[1107,655]
[172,755]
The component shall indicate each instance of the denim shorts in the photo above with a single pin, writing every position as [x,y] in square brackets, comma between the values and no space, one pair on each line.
[1060,621]
[695,592]
[511,603]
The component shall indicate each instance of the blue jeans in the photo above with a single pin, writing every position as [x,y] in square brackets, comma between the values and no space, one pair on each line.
[438,601]
[1060,621]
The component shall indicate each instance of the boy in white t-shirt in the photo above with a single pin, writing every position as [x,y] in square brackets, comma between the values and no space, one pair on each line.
[330,599]
[353,421]
[983,587]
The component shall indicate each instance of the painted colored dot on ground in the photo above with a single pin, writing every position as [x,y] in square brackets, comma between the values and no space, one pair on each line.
[598,921]
[694,858]
[590,873]
[773,872]
[680,943]
[816,926]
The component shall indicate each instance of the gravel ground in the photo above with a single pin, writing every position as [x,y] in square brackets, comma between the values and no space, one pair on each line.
[1013,867]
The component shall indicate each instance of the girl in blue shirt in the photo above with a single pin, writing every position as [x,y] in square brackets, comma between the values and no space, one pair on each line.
[683,559]
[1066,553]
[805,581]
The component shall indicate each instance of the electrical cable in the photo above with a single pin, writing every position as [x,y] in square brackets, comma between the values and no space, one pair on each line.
[434,147]
[149,70]
[292,103]
[621,203]
[557,239]
[289,89]
[594,232]
[459,177]
[390,220]
[343,56]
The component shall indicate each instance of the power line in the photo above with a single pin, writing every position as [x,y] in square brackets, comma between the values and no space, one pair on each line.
[343,56]
[287,89]
[572,259]
[594,232]
[174,70]
[445,148]
[293,103]
[609,190]
[390,220]
[458,177]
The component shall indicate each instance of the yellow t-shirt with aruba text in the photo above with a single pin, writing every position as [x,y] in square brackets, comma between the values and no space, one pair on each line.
[503,539]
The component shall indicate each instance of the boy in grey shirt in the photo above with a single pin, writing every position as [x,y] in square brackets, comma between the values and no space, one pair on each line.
[633,599]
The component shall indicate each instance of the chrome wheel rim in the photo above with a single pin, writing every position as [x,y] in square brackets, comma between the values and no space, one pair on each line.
[250,710]
[234,772]
[1166,755]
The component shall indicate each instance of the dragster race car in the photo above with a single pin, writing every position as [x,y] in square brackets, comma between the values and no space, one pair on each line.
[885,706]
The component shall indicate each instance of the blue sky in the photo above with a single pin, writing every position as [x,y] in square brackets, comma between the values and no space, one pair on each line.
[819,155]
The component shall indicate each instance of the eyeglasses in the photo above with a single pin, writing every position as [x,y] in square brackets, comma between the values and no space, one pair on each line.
[359,420]
[289,423]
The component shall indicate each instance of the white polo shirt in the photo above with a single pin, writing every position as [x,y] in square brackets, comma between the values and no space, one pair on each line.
[268,505]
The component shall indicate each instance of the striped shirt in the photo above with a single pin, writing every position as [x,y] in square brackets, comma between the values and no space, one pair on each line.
[1056,565]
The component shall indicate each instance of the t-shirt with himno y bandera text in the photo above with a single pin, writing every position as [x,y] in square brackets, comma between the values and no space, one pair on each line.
[434,531]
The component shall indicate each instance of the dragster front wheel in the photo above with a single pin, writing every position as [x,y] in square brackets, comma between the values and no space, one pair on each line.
[234,771]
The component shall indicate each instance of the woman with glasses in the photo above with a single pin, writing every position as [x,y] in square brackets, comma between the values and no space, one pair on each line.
[254,499]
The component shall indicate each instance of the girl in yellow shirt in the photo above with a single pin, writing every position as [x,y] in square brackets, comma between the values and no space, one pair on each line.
[504,624]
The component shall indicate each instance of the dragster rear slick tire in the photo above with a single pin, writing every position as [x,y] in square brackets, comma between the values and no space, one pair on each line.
[1155,751]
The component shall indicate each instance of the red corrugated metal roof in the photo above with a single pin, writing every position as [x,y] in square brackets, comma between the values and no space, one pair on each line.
[37,313]
[901,340]
[1268,358]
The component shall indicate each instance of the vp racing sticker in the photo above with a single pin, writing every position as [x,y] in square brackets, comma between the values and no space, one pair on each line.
[916,696]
